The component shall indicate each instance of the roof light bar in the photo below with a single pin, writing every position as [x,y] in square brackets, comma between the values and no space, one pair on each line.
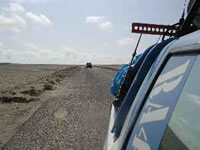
[154,29]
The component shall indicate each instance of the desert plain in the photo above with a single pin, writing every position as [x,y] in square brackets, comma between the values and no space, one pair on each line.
[75,91]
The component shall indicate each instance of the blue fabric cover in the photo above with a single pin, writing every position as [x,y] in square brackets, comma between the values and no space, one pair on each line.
[118,79]
[120,76]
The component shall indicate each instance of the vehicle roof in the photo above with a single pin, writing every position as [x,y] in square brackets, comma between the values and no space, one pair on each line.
[190,42]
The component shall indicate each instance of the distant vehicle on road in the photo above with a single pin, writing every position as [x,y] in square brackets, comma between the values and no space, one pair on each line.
[89,65]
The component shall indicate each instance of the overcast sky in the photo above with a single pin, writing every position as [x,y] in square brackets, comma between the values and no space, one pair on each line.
[78,31]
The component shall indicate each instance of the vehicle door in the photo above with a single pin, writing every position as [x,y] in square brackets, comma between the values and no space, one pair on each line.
[170,116]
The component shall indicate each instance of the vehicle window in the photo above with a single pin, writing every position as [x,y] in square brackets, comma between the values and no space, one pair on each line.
[148,131]
[183,130]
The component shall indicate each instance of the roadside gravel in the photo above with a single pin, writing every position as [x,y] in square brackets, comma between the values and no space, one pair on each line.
[74,117]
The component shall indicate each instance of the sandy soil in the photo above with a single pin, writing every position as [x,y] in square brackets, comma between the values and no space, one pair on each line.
[13,75]
[36,101]
[21,90]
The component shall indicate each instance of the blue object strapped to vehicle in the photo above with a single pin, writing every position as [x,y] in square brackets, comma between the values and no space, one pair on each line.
[128,79]
[135,85]
[120,76]
[118,79]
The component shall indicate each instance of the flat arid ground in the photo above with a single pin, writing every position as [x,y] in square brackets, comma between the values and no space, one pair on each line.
[54,106]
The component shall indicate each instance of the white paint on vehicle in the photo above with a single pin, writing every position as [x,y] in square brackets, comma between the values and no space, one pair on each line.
[139,144]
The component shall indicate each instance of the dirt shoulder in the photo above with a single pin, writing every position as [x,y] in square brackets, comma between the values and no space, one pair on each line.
[23,88]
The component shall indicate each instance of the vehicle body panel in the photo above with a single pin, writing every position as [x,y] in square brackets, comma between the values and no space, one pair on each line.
[185,44]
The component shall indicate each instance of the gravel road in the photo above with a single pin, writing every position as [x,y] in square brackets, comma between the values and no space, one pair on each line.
[74,117]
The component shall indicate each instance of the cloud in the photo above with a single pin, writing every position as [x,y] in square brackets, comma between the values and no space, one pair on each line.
[14,17]
[76,56]
[95,19]
[29,1]
[39,19]
[101,22]
[1,44]
[105,44]
[32,54]
[13,23]
[106,26]
[111,58]
[126,41]
[31,46]
[17,1]
[16,8]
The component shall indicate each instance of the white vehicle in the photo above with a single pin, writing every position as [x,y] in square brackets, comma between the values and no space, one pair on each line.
[161,109]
